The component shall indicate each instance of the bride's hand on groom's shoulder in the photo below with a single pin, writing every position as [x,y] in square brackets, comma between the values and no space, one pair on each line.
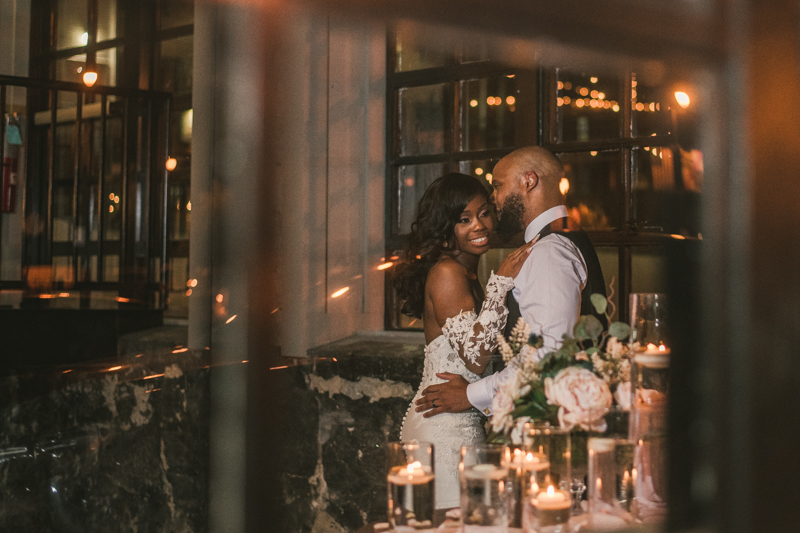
[447,397]
[513,262]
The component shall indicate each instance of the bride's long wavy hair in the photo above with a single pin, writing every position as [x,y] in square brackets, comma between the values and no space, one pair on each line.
[432,233]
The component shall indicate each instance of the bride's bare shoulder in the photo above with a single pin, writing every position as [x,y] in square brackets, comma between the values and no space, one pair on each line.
[447,272]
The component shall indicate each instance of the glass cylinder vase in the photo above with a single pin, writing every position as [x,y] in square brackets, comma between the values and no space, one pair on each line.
[410,480]
[485,491]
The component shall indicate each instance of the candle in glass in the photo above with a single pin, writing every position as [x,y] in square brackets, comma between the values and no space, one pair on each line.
[552,507]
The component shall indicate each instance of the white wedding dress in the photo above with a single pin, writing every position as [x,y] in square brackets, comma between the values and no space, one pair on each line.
[471,335]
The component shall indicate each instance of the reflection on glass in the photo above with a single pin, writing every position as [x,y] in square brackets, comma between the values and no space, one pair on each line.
[475,49]
[111,268]
[588,106]
[73,23]
[422,119]
[650,109]
[487,108]
[666,189]
[175,13]
[648,269]
[594,188]
[62,212]
[111,202]
[482,168]
[107,66]
[178,295]
[412,54]
[107,27]
[180,213]
[175,65]
[71,70]
[412,181]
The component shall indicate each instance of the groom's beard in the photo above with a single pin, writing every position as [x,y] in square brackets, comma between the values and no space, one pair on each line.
[511,217]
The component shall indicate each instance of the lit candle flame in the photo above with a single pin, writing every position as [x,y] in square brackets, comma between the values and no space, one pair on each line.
[551,491]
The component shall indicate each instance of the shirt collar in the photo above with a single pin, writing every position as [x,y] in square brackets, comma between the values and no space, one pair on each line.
[536,225]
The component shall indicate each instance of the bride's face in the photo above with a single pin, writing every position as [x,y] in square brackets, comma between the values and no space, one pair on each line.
[474,226]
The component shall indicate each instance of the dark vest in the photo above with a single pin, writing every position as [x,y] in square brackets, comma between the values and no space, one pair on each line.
[595,283]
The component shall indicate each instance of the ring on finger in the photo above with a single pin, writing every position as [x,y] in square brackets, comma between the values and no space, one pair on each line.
[433,403]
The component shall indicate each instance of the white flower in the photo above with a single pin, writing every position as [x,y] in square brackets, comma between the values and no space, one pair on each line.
[616,349]
[502,405]
[505,349]
[598,363]
[623,395]
[625,370]
[517,433]
[582,397]
[581,356]
[530,354]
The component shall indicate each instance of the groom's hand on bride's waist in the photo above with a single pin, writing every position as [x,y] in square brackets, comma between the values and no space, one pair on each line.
[447,397]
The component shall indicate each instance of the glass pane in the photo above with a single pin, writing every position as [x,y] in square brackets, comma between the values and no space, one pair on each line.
[411,54]
[107,27]
[175,66]
[479,168]
[487,110]
[72,23]
[62,268]
[69,69]
[111,268]
[179,293]
[176,13]
[107,67]
[650,109]
[111,206]
[422,119]
[103,300]
[179,211]
[412,182]
[587,106]
[63,182]
[666,190]
[593,188]
[648,269]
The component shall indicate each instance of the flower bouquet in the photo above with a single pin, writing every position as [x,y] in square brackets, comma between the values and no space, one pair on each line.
[573,386]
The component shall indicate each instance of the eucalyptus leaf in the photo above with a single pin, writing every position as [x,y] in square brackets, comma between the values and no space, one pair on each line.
[579,331]
[600,303]
[591,350]
[620,330]
[593,327]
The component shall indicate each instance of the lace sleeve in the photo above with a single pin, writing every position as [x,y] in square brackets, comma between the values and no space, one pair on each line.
[474,335]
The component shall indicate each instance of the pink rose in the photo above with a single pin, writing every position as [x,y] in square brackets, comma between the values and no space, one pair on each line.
[623,396]
[582,397]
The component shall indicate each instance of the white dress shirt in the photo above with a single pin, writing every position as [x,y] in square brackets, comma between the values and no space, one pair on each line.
[548,290]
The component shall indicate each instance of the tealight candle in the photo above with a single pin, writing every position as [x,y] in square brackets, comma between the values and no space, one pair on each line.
[653,356]
[412,474]
[552,507]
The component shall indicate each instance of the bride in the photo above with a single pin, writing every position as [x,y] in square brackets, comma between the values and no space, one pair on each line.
[437,282]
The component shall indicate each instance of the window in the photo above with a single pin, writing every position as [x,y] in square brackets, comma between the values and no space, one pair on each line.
[633,171]
[111,216]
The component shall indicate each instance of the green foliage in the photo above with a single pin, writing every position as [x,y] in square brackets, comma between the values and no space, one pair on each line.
[600,303]
[534,405]
[620,330]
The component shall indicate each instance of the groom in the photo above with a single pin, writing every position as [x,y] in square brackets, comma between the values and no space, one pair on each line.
[555,283]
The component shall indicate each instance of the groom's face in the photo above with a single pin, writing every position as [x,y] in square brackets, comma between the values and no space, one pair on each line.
[508,202]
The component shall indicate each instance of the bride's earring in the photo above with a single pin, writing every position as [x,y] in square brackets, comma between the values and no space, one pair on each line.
[444,244]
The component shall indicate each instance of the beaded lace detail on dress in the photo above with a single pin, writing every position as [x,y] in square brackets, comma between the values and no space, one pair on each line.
[474,335]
